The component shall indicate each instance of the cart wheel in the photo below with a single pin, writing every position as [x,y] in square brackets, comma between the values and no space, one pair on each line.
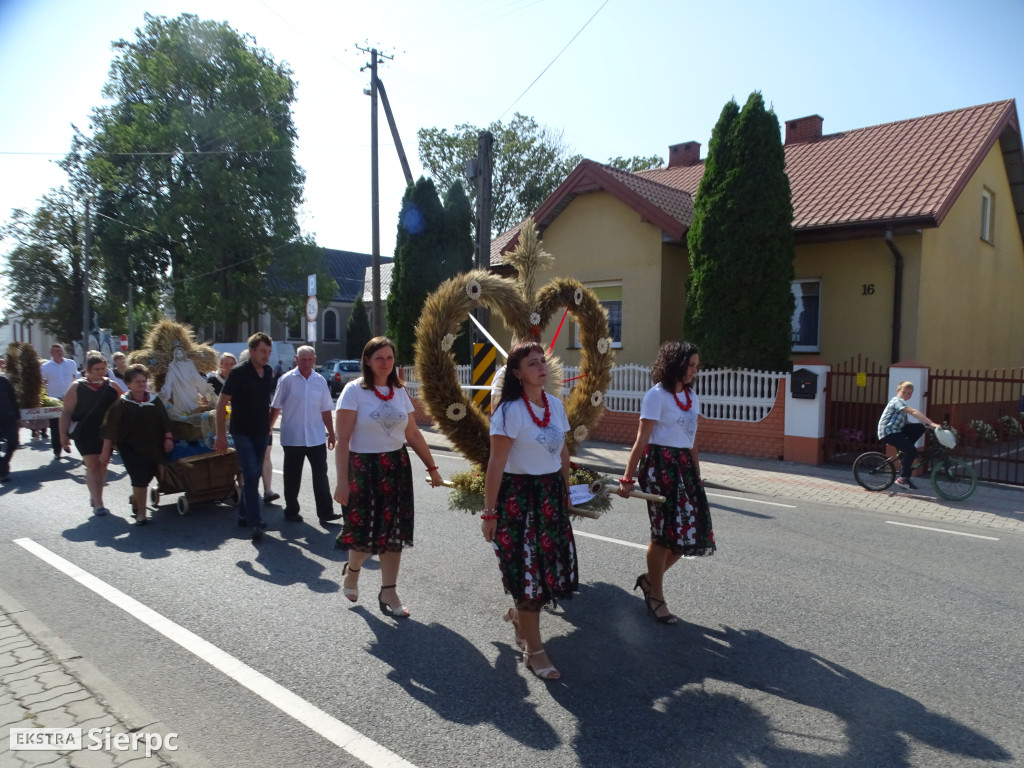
[236,495]
[182,505]
[154,496]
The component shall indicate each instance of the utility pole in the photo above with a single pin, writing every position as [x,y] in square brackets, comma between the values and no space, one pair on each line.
[85,283]
[482,170]
[377,315]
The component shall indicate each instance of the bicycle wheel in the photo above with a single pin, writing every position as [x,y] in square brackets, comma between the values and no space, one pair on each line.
[954,479]
[874,471]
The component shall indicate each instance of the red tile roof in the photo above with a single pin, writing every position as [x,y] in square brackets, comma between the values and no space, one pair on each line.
[905,173]
[909,171]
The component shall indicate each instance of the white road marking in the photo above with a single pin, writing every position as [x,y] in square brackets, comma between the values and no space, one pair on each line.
[576,532]
[942,530]
[752,501]
[338,733]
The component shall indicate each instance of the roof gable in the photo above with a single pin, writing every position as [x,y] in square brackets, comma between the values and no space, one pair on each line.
[670,209]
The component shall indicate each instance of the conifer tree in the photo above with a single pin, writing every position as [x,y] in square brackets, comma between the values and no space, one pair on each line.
[458,214]
[419,259]
[739,297]
[357,330]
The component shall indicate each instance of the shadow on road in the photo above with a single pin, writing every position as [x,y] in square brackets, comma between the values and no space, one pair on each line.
[659,695]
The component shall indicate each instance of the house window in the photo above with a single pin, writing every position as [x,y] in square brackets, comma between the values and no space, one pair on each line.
[330,321]
[987,211]
[806,315]
[610,296]
[295,321]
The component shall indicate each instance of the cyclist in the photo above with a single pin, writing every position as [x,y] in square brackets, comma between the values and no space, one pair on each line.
[894,430]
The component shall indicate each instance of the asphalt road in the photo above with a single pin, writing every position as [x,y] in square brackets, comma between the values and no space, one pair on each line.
[816,636]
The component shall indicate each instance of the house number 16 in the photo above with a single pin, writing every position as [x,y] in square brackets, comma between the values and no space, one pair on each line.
[867,289]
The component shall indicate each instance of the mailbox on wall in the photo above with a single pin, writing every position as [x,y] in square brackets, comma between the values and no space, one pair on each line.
[803,384]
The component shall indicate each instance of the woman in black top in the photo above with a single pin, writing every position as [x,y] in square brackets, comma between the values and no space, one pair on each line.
[85,404]
[139,424]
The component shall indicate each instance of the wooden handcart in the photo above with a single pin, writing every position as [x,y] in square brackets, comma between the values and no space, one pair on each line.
[201,478]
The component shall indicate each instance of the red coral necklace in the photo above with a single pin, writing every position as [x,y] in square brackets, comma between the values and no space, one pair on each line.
[388,396]
[547,410]
[689,400]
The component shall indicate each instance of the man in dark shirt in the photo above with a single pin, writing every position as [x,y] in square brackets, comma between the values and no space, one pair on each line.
[9,414]
[247,391]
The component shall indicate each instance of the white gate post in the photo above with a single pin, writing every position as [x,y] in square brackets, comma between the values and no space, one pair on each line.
[804,439]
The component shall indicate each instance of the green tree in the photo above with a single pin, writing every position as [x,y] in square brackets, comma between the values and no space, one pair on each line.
[195,160]
[458,258]
[529,161]
[45,268]
[357,330]
[420,250]
[739,299]
[635,163]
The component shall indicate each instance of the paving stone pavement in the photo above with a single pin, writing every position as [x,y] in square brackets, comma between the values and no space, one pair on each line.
[45,684]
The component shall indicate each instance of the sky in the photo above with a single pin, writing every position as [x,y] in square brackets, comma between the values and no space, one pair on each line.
[616,77]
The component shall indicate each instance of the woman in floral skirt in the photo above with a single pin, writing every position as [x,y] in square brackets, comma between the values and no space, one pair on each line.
[526,498]
[666,452]
[374,473]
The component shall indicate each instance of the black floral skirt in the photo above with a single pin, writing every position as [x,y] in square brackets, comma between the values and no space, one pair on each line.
[683,523]
[379,514]
[534,542]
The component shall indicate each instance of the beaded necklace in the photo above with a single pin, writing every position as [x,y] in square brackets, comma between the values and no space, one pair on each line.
[388,396]
[547,410]
[689,400]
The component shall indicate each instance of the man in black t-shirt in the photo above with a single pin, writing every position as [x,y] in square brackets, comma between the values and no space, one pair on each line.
[247,391]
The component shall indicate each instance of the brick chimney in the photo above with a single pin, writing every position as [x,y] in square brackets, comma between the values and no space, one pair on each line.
[804,129]
[683,155]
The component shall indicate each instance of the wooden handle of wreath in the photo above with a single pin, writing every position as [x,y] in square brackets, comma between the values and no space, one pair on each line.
[655,497]
[592,514]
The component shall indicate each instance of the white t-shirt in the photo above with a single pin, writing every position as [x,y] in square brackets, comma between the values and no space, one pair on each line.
[674,427]
[58,376]
[302,402]
[380,424]
[535,451]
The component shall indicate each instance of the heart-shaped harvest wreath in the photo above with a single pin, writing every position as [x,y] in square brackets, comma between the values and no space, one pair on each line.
[444,311]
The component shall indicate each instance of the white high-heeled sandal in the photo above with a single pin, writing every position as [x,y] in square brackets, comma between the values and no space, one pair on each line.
[351,594]
[547,673]
[512,615]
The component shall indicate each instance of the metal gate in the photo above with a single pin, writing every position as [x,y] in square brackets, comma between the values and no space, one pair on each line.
[985,409]
[856,393]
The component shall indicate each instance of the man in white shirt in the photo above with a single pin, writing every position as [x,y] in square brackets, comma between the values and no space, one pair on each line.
[58,374]
[307,431]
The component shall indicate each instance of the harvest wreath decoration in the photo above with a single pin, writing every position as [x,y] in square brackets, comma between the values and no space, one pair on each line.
[526,312]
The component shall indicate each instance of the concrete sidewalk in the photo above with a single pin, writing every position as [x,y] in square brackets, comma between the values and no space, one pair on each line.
[991,506]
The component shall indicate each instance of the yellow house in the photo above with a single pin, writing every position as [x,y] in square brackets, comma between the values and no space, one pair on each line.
[908,235]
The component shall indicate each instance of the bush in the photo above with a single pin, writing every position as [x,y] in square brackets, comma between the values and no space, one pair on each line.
[984,430]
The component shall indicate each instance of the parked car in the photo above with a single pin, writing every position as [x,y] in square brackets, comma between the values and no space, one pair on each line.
[339,373]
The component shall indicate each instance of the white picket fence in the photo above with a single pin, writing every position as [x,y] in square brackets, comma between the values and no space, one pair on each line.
[726,394]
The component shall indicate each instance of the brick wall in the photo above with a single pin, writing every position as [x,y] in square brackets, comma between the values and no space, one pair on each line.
[760,439]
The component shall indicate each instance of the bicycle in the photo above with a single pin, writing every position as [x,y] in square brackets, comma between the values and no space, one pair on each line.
[952,478]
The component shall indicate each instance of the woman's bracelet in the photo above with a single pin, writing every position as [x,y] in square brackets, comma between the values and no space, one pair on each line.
[488,517]
[626,481]
[431,469]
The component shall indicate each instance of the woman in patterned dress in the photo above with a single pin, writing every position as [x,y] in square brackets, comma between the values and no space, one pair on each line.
[526,518]
[669,465]
[374,473]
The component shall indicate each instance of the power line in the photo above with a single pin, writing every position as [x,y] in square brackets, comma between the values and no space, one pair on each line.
[553,60]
